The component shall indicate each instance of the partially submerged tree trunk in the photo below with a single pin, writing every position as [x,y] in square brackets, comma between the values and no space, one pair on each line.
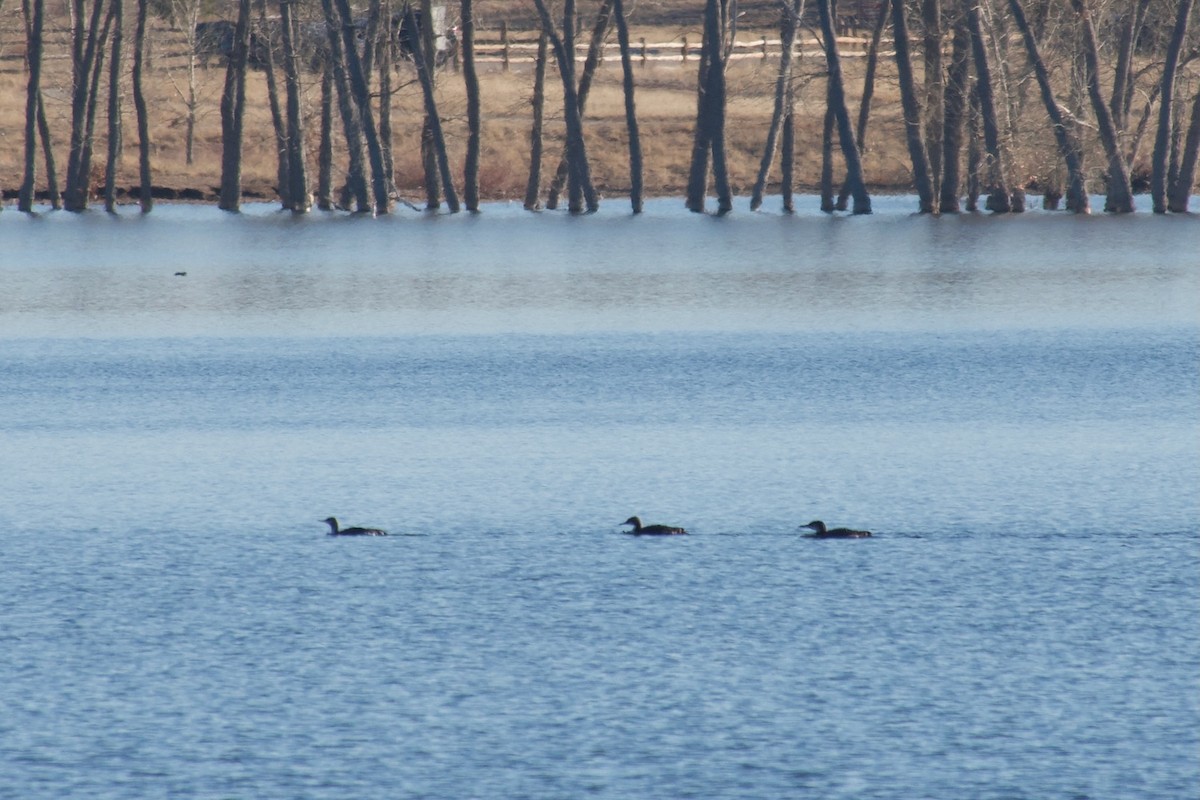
[590,62]
[267,47]
[576,146]
[362,98]
[955,110]
[1120,194]
[535,133]
[385,59]
[1162,141]
[788,159]
[999,199]
[356,181]
[325,144]
[787,35]
[697,185]
[422,43]
[87,61]
[935,88]
[145,197]
[710,114]
[836,102]
[864,108]
[828,203]
[433,121]
[34,21]
[974,153]
[48,151]
[1068,148]
[298,199]
[1182,190]
[631,122]
[912,111]
[233,106]
[474,117]
[114,108]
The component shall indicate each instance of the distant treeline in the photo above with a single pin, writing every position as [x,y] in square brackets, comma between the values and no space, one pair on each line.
[1120,72]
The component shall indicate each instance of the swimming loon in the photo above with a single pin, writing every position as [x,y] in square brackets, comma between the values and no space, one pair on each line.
[836,533]
[335,531]
[651,530]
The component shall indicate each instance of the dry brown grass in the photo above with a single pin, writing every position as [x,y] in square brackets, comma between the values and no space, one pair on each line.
[666,110]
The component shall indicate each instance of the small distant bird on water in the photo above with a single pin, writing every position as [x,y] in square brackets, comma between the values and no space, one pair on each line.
[651,530]
[334,530]
[821,532]
[180,274]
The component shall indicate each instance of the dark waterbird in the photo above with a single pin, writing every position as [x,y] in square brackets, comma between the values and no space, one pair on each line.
[821,532]
[651,530]
[334,530]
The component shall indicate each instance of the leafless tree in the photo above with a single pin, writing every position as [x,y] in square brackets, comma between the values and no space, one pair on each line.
[631,122]
[474,117]
[837,101]
[233,113]
[1163,140]
[34,22]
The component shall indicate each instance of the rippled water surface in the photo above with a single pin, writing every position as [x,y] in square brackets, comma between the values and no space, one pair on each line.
[1009,403]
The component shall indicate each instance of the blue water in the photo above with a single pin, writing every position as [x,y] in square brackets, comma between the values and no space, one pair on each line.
[1010,404]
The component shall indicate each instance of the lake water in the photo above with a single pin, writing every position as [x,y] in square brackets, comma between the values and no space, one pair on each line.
[1012,404]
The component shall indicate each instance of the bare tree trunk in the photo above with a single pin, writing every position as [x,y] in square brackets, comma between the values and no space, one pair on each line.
[955,112]
[87,57]
[591,61]
[787,35]
[474,118]
[1182,189]
[788,159]
[577,148]
[974,154]
[297,170]
[325,145]
[282,179]
[1158,164]
[1122,91]
[1068,148]
[912,111]
[85,164]
[386,136]
[190,11]
[999,199]
[359,89]
[935,89]
[697,185]
[48,151]
[631,122]
[1120,194]
[34,21]
[145,197]
[864,108]
[114,108]
[233,106]
[715,24]
[535,134]
[828,204]
[836,100]
[429,163]
[432,119]
[356,182]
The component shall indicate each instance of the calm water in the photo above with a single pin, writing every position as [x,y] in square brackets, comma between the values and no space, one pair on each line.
[1011,404]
